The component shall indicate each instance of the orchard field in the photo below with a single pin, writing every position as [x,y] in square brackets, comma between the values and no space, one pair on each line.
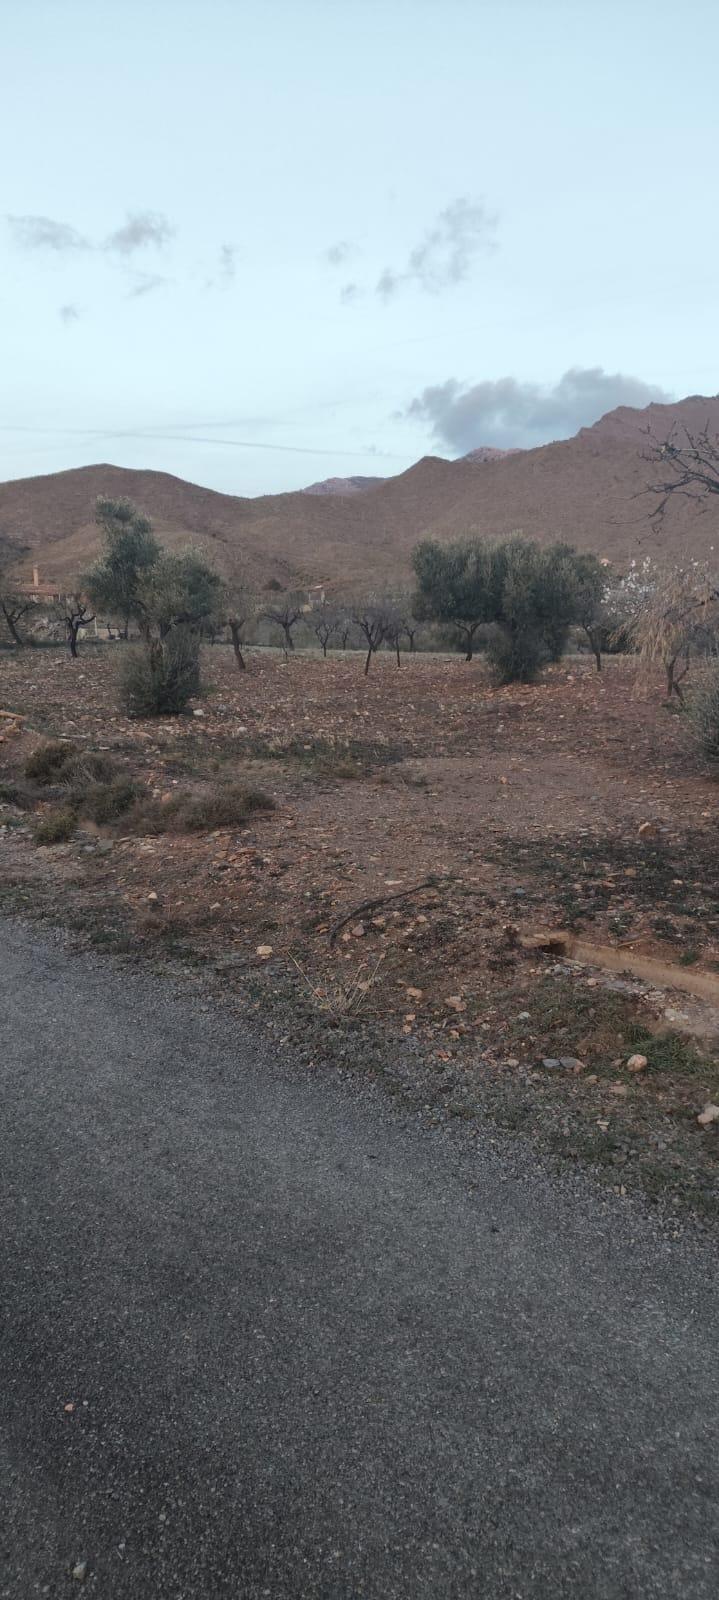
[493,899]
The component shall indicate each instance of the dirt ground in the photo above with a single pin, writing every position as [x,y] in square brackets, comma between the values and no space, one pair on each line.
[429,833]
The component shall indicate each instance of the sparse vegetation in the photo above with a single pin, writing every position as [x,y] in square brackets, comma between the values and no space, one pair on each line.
[502,812]
[161,677]
[55,827]
[702,710]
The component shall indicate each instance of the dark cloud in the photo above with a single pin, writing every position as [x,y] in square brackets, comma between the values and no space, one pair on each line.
[339,253]
[445,255]
[69,314]
[44,233]
[146,283]
[141,229]
[506,412]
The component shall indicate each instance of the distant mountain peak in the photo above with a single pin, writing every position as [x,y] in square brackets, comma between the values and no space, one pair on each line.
[355,485]
[489,452]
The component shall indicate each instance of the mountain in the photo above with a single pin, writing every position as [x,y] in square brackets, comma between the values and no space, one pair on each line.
[357,485]
[590,490]
[488,452]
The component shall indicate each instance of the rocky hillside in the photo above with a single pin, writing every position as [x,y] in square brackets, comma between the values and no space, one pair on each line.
[590,490]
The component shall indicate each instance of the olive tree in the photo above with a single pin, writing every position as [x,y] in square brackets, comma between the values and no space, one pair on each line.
[526,597]
[130,551]
[452,587]
[178,597]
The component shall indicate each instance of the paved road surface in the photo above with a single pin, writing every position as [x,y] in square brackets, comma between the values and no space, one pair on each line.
[306,1356]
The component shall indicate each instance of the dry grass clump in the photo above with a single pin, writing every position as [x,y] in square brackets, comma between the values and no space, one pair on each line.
[224,805]
[55,827]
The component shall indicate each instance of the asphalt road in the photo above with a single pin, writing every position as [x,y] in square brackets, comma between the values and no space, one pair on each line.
[311,1348]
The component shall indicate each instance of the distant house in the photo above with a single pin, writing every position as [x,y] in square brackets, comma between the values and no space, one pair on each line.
[39,592]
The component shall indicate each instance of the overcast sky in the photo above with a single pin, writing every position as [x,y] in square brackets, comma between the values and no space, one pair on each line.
[261,242]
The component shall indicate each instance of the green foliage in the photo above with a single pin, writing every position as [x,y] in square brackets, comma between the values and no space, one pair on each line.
[453,586]
[529,594]
[515,657]
[130,550]
[160,678]
[180,591]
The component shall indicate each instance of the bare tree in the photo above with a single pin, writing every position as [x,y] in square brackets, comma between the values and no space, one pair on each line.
[345,625]
[75,615]
[685,466]
[12,604]
[240,608]
[676,617]
[394,627]
[285,612]
[372,617]
[324,623]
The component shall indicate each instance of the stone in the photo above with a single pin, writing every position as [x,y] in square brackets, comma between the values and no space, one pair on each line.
[547,939]
[571,1063]
[708,1115]
[637,1063]
[79,1571]
[552,1063]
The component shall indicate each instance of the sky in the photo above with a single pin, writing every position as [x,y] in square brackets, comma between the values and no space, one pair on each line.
[257,243]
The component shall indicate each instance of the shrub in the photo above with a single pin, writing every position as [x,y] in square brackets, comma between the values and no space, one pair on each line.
[225,806]
[56,827]
[515,657]
[86,769]
[159,679]
[105,802]
[45,764]
[702,710]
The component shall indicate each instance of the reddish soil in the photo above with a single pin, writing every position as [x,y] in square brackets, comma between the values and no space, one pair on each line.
[575,805]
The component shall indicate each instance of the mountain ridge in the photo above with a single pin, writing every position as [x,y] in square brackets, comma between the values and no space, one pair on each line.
[591,489]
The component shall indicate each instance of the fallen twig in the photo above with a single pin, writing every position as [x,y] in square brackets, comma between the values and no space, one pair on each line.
[384,900]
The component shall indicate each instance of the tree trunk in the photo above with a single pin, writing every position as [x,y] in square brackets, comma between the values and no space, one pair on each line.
[237,647]
[72,631]
[397,650]
[12,626]
[289,641]
[470,646]
[367,662]
[324,651]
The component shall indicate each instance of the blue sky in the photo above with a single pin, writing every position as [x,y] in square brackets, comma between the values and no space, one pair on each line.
[257,244]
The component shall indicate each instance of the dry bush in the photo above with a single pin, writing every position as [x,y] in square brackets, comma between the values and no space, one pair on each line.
[45,764]
[56,827]
[339,997]
[105,802]
[223,806]
[702,711]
